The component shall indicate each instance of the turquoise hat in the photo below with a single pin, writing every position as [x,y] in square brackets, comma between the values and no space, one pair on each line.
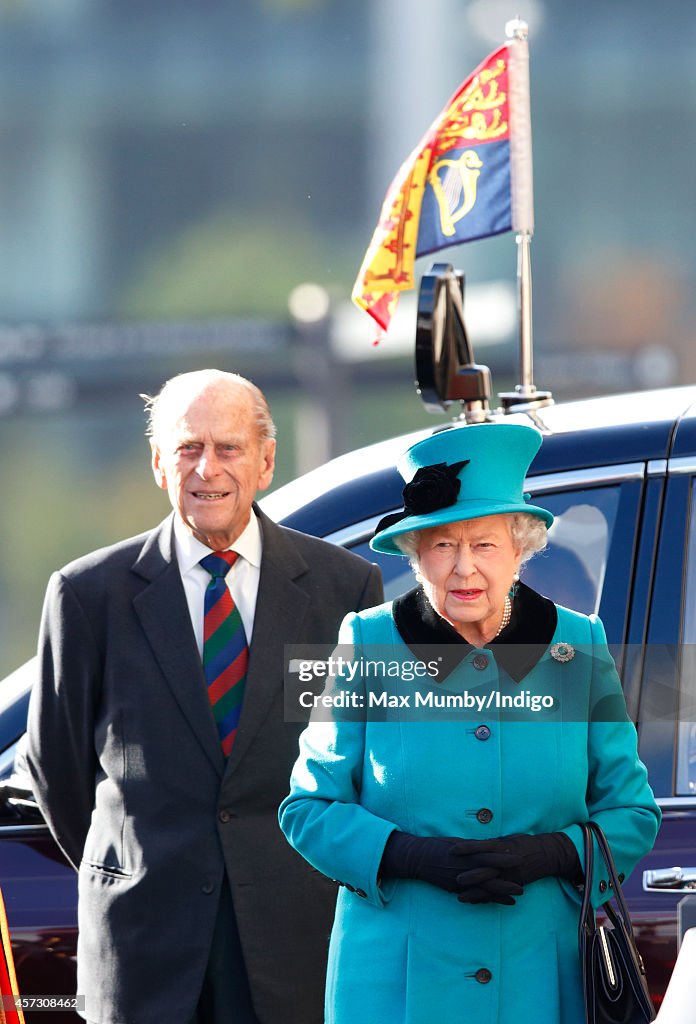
[463,472]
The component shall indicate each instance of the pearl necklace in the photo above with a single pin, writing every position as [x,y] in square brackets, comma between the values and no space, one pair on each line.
[507,612]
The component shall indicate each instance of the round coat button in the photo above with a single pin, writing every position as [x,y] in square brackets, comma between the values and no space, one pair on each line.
[361,892]
[485,815]
[621,877]
[480,662]
[483,975]
[224,816]
[349,887]
[602,886]
[208,888]
[482,733]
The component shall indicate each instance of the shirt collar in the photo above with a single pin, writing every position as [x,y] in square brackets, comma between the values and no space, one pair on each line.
[189,550]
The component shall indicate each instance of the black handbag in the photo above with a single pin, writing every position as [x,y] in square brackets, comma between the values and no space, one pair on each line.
[614,983]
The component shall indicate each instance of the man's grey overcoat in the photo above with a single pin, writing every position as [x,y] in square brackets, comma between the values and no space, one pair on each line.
[129,774]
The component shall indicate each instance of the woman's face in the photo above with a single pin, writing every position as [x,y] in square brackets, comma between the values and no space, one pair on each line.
[466,569]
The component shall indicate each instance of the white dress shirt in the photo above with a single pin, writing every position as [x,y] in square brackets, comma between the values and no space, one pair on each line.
[242,579]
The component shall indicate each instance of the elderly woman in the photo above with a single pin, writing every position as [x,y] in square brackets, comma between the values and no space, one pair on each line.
[457,842]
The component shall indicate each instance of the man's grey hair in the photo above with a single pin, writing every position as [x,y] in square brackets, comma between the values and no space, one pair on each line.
[185,386]
[528,532]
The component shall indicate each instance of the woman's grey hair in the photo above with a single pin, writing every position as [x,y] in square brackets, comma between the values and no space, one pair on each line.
[529,534]
[183,387]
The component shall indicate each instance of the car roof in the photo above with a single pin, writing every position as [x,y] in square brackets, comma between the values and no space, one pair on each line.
[639,426]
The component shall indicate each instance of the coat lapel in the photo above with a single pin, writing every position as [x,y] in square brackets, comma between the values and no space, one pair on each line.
[281,607]
[163,612]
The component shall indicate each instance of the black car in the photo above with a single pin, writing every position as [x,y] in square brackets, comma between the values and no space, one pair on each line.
[618,474]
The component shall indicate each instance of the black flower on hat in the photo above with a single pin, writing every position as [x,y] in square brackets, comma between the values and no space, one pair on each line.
[432,488]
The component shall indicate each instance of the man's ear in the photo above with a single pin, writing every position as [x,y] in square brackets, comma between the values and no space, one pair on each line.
[267,467]
[157,467]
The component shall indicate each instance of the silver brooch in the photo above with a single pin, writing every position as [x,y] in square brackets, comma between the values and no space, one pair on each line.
[562,652]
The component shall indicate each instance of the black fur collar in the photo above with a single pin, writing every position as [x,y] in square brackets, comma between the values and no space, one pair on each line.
[518,647]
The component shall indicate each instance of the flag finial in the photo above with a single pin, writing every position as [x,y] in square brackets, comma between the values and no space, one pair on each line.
[517,29]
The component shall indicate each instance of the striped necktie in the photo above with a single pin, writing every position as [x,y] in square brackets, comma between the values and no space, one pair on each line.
[225,650]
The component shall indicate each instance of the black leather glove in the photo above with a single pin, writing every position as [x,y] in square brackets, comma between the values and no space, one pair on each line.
[523,858]
[428,859]
[432,859]
[492,890]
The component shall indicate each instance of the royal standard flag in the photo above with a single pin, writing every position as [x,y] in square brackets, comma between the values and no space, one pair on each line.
[454,187]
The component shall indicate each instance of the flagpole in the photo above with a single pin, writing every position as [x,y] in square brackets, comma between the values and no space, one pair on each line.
[524,286]
[522,195]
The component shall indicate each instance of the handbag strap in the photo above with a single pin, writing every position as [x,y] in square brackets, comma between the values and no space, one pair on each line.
[591,829]
[586,924]
[617,891]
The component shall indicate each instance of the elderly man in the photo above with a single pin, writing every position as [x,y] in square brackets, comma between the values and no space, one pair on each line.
[157,745]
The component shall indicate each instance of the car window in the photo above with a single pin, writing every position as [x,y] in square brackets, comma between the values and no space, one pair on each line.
[396,572]
[14,701]
[7,761]
[686,747]
[571,569]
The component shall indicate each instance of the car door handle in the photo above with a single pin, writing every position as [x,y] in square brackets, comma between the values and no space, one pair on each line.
[672,879]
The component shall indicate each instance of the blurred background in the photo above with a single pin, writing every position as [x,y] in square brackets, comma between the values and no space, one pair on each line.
[186,183]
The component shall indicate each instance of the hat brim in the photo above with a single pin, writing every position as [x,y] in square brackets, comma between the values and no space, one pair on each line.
[459,512]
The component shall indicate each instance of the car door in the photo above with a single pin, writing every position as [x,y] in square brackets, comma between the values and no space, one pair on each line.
[39,887]
[663,629]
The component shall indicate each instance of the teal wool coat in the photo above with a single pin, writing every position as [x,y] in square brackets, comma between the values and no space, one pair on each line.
[406,952]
